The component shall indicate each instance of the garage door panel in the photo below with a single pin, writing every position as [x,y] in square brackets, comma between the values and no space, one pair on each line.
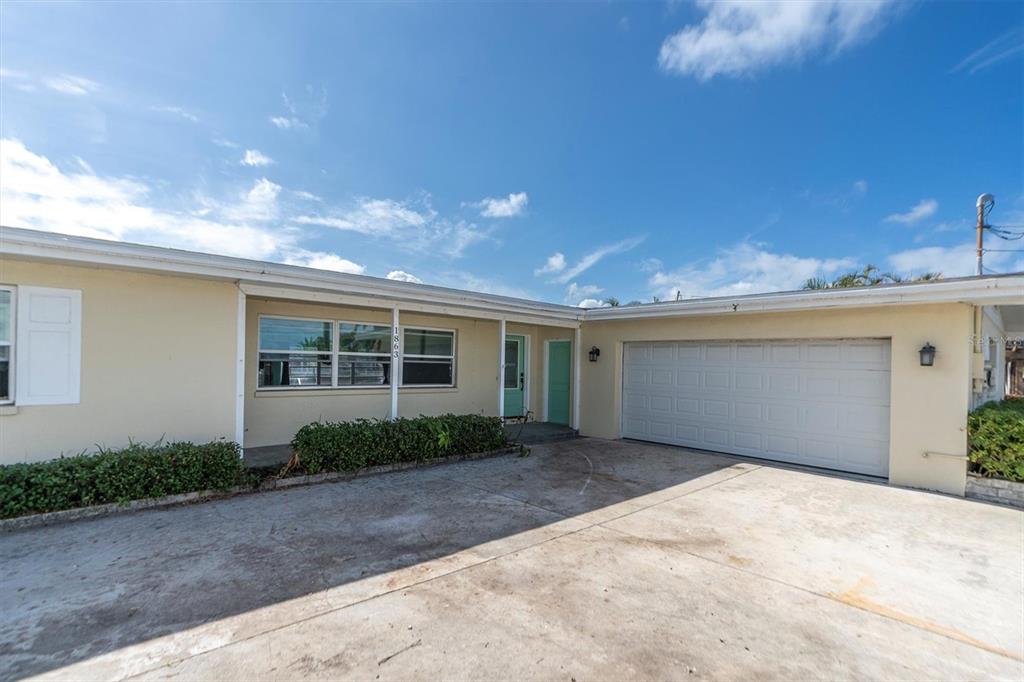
[634,401]
[748,411]
[715,437]
[688,406]
[782,416]
[866,419]
[716,380]
[637,376]
[661,403]
[718,352]
[750,381]
[716,408]
[752,353]
[783,383]
[662,377]
[746,440]
[821,403]
[873,352]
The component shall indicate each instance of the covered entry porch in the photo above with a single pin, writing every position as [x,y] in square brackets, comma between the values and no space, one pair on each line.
[307,355]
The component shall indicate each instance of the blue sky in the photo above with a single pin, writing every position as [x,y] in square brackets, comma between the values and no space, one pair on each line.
[565,152]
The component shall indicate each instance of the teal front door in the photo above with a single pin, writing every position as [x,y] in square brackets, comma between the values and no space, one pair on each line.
[559,359]
[515,375]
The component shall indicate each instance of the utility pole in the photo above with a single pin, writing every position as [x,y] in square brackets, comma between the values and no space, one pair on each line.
[983,201]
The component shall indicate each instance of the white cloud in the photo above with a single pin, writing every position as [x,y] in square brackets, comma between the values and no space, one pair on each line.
[739,38]
[403,276]
[222,142]
[18,79]
[413,225]
[592,258]
[37,194]
[256,158]
[484,285]
[923,209]
[952,261]
[744,268]
[303,110]
[579,293]
[308,196]
[325,261]
[555,263]
[575,292]
[509,207]
[288,122]
[71,85]
[651,265]
[591,303]
[860,187]
[993,52]
[177,111]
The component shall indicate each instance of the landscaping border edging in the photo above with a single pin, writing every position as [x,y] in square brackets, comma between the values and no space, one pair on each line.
[996,490]
[83,513]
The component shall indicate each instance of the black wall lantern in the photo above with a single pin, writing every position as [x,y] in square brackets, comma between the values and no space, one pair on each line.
[927,355]
[594,353]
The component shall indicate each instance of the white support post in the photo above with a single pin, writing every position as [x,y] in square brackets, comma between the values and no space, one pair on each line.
[396,361]
[501,368]
[578,352]
[240,371]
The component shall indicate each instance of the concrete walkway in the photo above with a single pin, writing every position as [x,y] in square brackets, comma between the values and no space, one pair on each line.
[589,560]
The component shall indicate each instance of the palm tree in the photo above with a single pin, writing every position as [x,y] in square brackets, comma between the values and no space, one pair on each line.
[868,276]
[816,283]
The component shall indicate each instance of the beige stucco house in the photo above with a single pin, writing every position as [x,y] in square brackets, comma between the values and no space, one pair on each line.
[102,342]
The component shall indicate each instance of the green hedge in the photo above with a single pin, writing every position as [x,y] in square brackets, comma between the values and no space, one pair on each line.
[135,472]
[346,446]
[996,438]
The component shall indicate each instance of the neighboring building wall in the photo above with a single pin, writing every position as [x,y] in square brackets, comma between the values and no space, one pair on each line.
[273,417]
[991,379]
[929,404]
[157,361]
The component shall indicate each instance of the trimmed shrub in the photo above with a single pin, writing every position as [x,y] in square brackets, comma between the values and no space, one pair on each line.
[995,435]
[346,446]
[132,473]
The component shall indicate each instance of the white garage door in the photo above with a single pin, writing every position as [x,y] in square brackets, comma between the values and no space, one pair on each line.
[819,403]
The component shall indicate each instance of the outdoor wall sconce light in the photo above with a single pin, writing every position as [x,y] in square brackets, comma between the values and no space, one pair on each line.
[927,355]
[594,353]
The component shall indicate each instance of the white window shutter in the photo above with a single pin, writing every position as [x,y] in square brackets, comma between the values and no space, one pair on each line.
[48,349]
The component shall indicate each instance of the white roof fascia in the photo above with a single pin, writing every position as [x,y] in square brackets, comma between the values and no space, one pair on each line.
[51,246]
[292,279]
[979,291]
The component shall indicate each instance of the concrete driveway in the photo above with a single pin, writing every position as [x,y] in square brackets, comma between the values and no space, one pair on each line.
[589,559]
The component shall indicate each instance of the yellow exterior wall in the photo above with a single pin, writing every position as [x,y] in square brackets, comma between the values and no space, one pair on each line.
[157,362]
[272,417]
[929,404]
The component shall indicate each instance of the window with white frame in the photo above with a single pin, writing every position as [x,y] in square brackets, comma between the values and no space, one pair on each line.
[6,344]
[428,357]
[302,353]
[295,353]
[364,354]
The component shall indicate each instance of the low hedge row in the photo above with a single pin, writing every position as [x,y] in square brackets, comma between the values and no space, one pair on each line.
[995,435]
[132,473]
[346,446]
